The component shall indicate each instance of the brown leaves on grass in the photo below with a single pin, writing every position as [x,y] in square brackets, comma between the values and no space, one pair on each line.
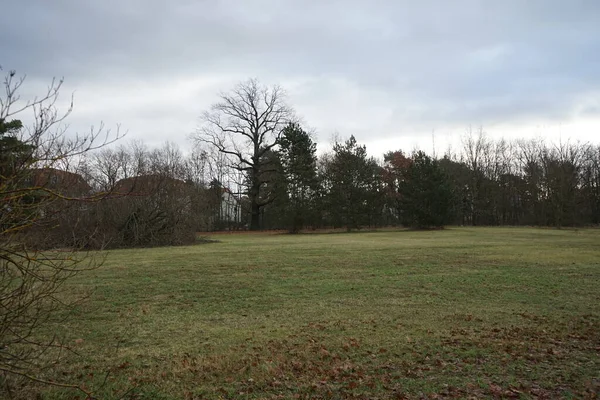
[539,359]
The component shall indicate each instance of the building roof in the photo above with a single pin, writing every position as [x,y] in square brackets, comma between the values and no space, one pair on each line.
[142,185]
[64,182]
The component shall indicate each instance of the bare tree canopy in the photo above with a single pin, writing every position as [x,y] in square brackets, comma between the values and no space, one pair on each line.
[245,125]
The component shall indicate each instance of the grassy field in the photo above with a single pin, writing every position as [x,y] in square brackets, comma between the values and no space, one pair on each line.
[480,312]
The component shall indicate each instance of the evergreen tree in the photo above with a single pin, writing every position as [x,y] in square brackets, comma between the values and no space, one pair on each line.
[299,162]
[354,186]
[425,194]
[14,153]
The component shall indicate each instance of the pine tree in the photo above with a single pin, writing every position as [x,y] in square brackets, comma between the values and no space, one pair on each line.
[354,184]
[14,153]
[299,161]
[425,194]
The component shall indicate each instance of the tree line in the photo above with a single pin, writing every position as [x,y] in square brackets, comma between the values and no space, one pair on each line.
[286,185]
[164,196]
[525,182]
[254,166]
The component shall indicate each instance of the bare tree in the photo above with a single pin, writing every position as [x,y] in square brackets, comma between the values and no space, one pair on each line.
[151,196]
[196,166]
[245,125]
[108,166]
[31,279]
[475,148]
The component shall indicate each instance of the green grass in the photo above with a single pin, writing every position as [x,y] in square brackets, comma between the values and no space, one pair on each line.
[486,312]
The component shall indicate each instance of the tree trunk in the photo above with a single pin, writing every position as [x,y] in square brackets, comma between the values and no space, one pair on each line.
[255,193]
[255,218]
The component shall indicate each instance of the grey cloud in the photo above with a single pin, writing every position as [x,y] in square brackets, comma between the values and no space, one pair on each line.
[417,64]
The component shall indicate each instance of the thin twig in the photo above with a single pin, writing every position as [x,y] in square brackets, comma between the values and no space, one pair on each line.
[46,382]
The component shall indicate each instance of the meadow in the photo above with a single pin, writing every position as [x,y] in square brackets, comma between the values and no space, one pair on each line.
[456,313]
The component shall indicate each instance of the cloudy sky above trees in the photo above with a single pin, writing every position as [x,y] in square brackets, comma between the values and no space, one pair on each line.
[389,72]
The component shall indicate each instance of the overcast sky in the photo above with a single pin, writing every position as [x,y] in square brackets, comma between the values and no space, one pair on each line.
[388,72]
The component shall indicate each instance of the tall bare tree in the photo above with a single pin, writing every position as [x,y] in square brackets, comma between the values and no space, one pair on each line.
[245,125]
